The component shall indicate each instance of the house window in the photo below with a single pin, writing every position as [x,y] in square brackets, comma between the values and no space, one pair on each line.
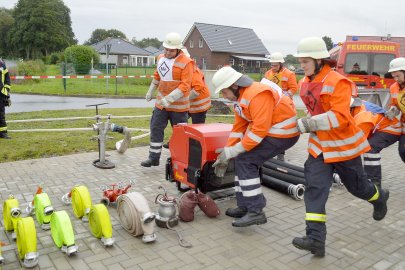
[200,43]
[204,65]
[191,44]
[231,61]
[258,64]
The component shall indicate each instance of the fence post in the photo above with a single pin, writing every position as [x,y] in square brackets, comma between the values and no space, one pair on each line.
[64,74]
[116,79]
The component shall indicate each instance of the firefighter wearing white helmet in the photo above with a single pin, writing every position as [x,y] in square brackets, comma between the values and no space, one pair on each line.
[397,92]
[172,79]
[261,131]
[335,143]
[283,77]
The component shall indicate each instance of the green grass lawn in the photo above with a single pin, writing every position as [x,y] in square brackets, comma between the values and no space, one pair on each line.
[31,145]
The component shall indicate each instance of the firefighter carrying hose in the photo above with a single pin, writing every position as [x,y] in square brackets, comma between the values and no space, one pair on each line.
[380,131]
[4,99]
[173,81]
[335,143]
[283,77]
[397,91]
[265,125]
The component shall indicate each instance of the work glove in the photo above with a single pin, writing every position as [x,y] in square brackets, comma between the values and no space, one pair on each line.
[226,153]
[164,103]
[392,112]
[304,125]
[152,88]
[220,168]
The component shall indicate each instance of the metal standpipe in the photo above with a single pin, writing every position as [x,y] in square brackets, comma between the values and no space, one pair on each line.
[102,129]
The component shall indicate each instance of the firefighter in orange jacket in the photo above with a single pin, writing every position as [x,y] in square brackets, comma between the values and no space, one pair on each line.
[397,91]
[200,97]
[283,77]
[335,143]
[4,98]
[173,81]
[265,125]
[380,131]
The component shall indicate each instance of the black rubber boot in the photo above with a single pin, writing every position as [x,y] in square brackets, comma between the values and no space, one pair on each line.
[251,218]
[4,135]
[237,212]
[280,157]
[149,163]
[316,247]
[380,205]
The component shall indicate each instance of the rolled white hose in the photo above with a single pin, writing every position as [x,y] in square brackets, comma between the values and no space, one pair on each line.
[135,215]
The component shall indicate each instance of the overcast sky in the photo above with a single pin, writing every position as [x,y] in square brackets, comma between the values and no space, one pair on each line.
[279,24]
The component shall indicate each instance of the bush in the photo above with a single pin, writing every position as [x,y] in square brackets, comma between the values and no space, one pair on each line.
[80,56]
[31,68]
[57,57]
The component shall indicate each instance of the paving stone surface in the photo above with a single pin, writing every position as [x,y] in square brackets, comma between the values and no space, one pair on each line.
[354,240]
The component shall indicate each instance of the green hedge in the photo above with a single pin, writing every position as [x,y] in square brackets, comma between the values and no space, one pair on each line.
[81,57]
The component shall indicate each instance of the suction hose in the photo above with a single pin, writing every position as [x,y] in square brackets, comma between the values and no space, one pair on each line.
[295,191]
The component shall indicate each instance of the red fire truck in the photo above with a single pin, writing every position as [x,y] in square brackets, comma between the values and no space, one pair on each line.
[366,63]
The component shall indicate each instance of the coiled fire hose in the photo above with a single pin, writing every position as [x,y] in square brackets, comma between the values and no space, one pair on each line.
[62,232]
[135,216]
[81,202]
[100,225]
[43,210]
[24,231]
[27,241]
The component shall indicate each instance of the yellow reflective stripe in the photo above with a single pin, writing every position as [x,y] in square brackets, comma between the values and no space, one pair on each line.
[376,195]
[315,217]
[3,128]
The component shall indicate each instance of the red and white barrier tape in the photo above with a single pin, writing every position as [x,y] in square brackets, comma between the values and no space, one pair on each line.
[79,77]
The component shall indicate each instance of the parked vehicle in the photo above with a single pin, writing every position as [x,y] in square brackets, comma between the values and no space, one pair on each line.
[366,63]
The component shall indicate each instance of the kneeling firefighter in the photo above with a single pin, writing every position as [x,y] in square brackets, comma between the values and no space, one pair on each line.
[265,126]
[335,143]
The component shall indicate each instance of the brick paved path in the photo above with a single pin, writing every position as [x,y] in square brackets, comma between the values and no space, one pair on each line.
[354,241]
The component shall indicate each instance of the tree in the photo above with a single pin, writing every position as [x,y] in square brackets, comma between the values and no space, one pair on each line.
[81,57]
[291,60]
[101,34]
[328,41]
[41,27]
[6,22]
[154,42]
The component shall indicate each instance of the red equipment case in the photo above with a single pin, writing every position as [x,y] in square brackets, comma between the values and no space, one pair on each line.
[192,148]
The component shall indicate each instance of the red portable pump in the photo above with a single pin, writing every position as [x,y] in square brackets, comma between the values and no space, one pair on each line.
[192,149]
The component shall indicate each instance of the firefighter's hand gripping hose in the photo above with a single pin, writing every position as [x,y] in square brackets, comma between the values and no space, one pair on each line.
[43,210]
[100,224]
[27,242]
[135,216]
[62,232]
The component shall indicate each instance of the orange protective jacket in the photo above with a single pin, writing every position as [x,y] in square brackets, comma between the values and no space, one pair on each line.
[182,75]
[202,102]
[370,122]
[259,112]
[343,140]
[395,90]
[285,79]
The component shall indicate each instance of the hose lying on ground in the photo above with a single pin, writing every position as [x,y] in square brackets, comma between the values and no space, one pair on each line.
[135,216]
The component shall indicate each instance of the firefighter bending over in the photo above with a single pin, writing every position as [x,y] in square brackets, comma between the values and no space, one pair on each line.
[265,125]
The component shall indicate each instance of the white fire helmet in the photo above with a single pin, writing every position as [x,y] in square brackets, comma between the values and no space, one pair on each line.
[313,47]
[224,78]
